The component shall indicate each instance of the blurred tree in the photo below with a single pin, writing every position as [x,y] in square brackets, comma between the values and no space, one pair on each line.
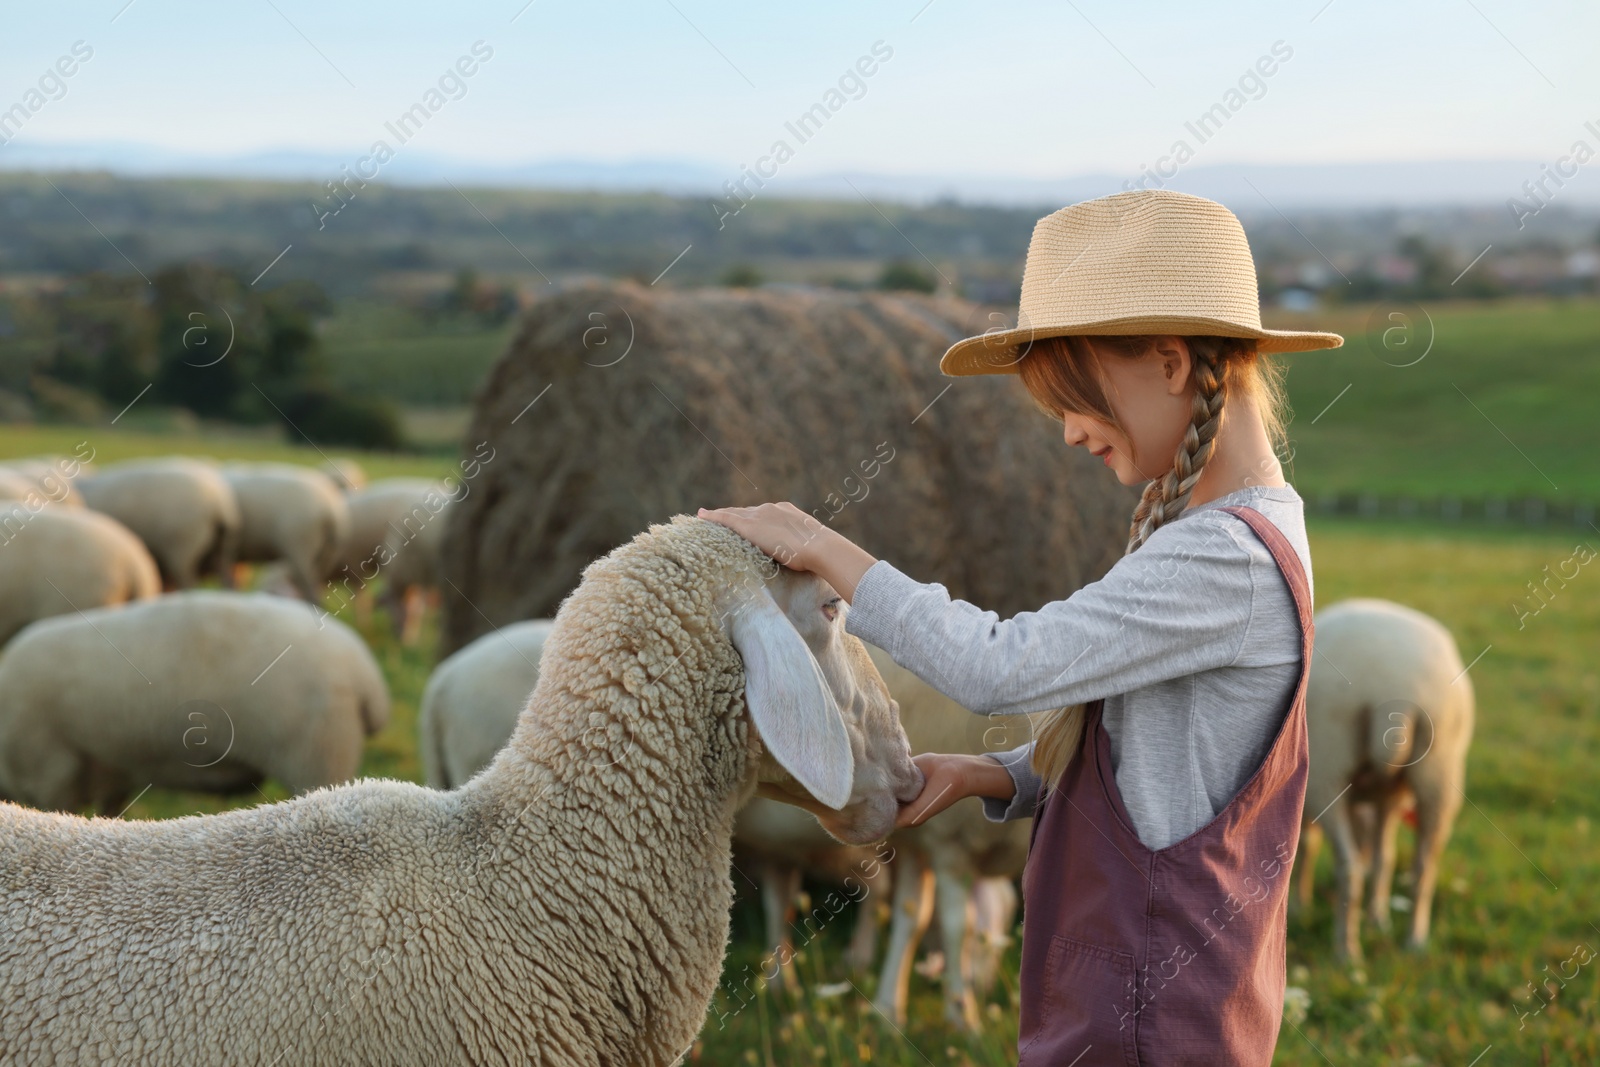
[741,276]
[902,274]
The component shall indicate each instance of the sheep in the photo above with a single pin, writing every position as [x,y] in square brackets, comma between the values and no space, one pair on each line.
[1389,714]
[945,860]
[775,843]
[392,520]
[290,513]
[205,690]
[571,904]
[51,476]
[56,560]
[182,509]
[14,485]
[471,702]
[346,473]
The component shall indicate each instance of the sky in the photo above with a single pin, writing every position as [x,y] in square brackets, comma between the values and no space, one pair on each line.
[1020,89]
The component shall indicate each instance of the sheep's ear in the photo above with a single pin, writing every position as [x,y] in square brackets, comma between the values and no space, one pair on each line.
[790,703]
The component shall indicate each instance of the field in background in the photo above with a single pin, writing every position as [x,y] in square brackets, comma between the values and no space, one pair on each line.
[1504,402]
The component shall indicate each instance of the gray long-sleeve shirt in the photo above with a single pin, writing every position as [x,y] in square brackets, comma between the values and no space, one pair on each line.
[1193,640]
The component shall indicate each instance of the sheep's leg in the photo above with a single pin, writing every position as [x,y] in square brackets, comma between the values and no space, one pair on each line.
[953,894]
[416,600]
[864,938]
[1438,797]
[1388,824]
[913,910]
[1348,874]
[302,574]
[995,916]
[392,599]
[780,885]
[1305,863]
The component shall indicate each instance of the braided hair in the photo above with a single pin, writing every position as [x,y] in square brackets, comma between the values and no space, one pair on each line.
[1058,373]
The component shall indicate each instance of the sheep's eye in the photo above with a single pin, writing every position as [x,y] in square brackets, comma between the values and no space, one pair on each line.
[831,608]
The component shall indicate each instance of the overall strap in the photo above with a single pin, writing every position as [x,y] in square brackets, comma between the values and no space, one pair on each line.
[1283,552]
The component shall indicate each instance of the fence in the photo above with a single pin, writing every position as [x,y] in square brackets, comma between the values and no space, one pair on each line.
[1505,510]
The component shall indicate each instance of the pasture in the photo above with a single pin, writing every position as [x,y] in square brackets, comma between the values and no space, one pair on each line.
[1518,885]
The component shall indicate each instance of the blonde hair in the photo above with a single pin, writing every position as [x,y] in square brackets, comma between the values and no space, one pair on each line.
[1062,375]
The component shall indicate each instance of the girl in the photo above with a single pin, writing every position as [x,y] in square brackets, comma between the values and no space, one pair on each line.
[1167,776]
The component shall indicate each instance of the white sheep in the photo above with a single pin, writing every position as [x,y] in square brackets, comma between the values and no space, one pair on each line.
[569,905]
[53,476]
[473,697]
[18,487]
[346,473]
[1389,713]
[938,867]
[58,560]
[388,520]
[290,513]
[182,509]
[204,690]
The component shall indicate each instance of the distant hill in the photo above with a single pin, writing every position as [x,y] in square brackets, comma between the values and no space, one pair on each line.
[352,239]
[1247,188]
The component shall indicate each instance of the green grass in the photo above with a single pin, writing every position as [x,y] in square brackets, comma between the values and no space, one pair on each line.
[110,444]
[1504,402]
[385,350]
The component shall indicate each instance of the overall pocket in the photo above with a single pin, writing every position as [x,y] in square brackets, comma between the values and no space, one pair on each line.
[1090,1010]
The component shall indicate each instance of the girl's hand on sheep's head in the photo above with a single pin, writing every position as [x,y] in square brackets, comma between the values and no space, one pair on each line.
[799,542]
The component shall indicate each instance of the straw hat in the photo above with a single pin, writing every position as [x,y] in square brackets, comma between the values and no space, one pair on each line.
[1147,261]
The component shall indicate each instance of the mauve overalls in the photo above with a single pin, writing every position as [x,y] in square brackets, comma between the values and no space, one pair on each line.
[1166,956]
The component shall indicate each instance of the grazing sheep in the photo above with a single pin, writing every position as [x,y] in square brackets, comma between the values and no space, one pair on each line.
[290,513]
[182,509]
[571,904]
[346,473]
[1389,712]
[52,476]
[206,690]
[57,560]
[394,509]
[960,847]
[775,843]
[471,702]
[942,862]
[14,485]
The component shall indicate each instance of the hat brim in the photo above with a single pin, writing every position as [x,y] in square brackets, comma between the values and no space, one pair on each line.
[999,351]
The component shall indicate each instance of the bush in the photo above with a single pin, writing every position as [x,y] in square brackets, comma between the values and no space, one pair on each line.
[901,274]
[330,418]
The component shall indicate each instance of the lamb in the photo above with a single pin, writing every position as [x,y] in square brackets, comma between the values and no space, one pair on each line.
[205,690]
[389,522]
[1389,713]
[291,513]
[570,905]
[182,509]
[471,702]
[57,560]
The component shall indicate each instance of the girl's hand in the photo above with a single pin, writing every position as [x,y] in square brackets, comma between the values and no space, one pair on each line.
[949,777]
[781,530]
[799,542]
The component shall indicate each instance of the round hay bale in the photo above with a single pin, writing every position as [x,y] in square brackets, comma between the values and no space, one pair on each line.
[618,405]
